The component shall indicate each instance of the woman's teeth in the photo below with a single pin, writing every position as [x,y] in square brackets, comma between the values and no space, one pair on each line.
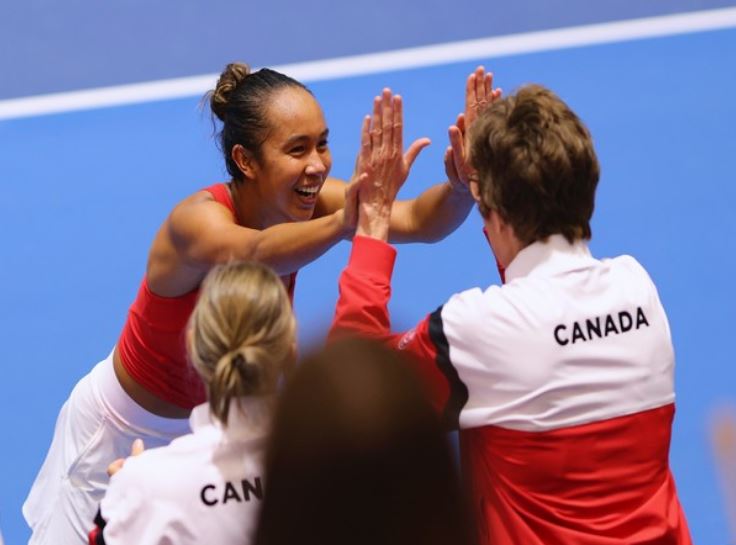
[307,191]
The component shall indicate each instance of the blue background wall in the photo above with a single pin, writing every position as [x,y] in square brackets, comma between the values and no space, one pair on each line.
[83,192]
[49,46]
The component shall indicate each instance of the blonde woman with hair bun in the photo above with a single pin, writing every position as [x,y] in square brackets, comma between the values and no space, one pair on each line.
[206,487]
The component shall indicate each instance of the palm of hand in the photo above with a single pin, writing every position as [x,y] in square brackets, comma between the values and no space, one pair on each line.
[382,164]
[479,94]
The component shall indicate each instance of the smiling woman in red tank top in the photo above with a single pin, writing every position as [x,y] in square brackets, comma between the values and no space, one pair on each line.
[279,208]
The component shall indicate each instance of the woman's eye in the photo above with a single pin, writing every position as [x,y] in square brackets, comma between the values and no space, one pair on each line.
[322,144]
[298,150]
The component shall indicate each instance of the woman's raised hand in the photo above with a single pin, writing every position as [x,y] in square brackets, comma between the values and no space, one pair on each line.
[382,166]
[479,94]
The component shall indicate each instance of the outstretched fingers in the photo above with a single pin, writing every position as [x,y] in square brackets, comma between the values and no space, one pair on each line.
[352,193]
[480,87]
[457,145]
[397,127]
[470,92]
[382,154]
[387,119]
[364,156]
[479,94]
[459,177]
[491,93]
[376,133]
[488,86]
[457,142]
[460,123]
[413,152]
[450,168]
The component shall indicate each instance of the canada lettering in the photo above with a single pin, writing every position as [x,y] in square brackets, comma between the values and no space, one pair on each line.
[601,326]
[244,490]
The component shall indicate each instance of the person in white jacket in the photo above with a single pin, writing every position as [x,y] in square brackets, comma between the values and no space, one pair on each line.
[561,380]
[206,487]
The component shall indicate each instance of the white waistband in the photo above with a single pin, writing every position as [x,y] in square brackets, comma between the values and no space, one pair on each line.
[107,387]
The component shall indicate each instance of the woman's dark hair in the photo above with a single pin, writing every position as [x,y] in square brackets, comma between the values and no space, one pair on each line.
[240,101]
[357,455]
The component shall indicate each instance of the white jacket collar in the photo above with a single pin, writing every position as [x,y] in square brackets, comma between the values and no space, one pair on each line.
[247,417]
[553,256]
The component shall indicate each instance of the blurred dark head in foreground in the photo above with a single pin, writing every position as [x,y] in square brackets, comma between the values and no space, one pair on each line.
[358,456]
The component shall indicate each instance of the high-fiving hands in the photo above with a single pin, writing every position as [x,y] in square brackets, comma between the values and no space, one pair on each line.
[382,166]
[479,94]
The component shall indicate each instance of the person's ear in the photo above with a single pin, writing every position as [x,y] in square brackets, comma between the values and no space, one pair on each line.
[244,160]
[475,192]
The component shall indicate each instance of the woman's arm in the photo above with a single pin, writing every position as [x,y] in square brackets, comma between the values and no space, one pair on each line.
[430,217]
[204,233]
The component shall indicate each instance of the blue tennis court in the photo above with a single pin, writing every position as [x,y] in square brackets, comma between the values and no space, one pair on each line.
[84,192]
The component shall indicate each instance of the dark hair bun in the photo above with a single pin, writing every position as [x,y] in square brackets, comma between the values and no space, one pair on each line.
[230,78]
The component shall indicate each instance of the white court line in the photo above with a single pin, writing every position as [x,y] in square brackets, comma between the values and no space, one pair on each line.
[500,46]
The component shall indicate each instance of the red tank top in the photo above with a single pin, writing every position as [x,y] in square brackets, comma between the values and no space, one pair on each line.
[152,344]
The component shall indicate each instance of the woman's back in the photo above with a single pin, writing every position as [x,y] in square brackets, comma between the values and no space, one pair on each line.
[205,487]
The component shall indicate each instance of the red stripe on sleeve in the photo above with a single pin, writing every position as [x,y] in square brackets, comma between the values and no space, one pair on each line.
[362,309]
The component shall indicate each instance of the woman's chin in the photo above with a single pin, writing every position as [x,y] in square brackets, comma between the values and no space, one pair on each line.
[302,210]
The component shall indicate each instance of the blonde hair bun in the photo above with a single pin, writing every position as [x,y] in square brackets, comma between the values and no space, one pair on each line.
[242,333]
